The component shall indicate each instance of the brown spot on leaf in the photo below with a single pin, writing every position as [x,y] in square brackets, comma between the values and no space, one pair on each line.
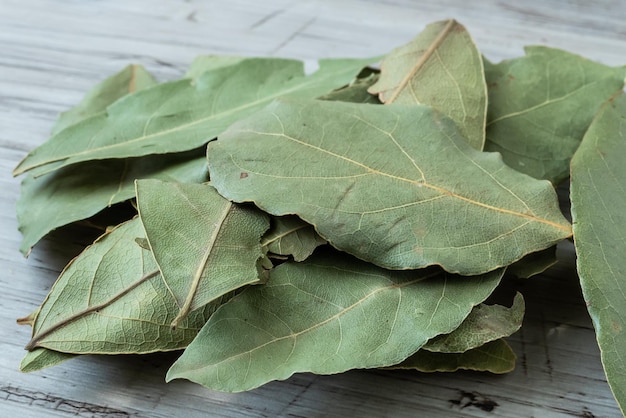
[616,326]
[243,175]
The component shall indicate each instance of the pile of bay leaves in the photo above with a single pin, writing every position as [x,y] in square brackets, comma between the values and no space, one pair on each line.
[423,183]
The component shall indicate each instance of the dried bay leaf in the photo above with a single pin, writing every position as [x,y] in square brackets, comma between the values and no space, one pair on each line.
[111,299]
[598,198]
[129,80]
[540,106]
[79,191]
[495,357]
[533,264]
[355,92]
[326,315]
[394,185]
[205,245]
[484,324]
[204,63]
[41,358]
[185,114]
[442,68]
[291,236]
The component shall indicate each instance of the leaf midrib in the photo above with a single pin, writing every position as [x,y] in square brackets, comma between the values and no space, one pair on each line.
[34,342]
[422,60]
[334,317]
[197,278]
[566,228]
[271,240]
[308,81]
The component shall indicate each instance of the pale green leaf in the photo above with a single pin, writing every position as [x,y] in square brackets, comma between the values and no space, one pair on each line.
[484,324]
[495,357]
[442,68]
[291,236]
[129,80]
[111,299]
[205,245]
[326,315]
[204,63]
[185,114]
[355,92]
[540,106]
[533,264]
[41,358]
[394,185]
[598,194]
[80,191]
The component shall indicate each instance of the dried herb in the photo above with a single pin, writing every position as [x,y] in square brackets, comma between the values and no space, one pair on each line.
[228,260]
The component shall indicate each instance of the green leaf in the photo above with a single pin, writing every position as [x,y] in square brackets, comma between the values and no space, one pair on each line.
[80,191]
[111,299]
[185,114]
[355,92]
[540,106]
[204,63]
[484,324]
[290,236]
[598,195]
[394,185]
[41,358]
[326,315]
[129,80]
[533,264]
[442,68]
[495,357]
[205,245]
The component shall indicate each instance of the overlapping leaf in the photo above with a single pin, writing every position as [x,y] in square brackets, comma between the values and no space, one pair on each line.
[441,68]
[355,92]
[394,185]
[400,186]
[204,63]
[310,317]
[185,114]
[129,80]
[290,236]
[540,106]
[205,245]
[533,264]
[495,357]
[112,299]
[41,358]
[598,195]
[79,191]
[484,324]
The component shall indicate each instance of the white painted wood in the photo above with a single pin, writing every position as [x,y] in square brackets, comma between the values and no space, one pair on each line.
[53,51]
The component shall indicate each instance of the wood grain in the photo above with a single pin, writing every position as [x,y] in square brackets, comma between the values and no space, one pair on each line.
[52,52]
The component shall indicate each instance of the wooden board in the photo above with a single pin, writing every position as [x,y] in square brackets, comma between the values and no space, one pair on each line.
[52,52]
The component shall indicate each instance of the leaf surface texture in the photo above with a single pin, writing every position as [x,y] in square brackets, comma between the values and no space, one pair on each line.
[442,68]
[540,106]
[326,315]
[185,114]
[394,185]
[111,299]
[205,245]
[598,195]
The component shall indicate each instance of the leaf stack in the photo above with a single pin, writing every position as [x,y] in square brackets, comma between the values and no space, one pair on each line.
[349,218]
